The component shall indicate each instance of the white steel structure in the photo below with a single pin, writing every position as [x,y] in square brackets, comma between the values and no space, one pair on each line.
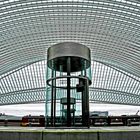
[110,28]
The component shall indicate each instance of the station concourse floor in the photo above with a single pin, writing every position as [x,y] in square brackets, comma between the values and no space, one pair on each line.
[57,129]
[93,133]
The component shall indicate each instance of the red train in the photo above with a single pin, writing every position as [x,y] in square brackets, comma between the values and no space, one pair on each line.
[39,121]
[33,121]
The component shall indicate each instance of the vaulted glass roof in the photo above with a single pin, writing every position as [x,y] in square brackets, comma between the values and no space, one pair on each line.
[111,29]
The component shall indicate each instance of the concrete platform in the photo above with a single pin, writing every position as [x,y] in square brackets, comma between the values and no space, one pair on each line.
[93,133]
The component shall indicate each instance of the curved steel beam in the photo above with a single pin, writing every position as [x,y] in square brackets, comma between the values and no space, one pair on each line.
[101,95]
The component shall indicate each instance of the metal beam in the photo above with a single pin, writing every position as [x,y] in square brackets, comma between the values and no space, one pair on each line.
[101,95]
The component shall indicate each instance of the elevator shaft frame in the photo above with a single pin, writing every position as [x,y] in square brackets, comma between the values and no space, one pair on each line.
[66,66]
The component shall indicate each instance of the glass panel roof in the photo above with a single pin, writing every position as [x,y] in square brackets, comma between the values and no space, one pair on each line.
[31,79]
[111,29]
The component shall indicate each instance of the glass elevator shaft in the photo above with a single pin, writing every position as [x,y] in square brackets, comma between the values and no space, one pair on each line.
[68,80]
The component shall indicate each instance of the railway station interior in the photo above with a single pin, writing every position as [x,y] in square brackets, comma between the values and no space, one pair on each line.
[69,54]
